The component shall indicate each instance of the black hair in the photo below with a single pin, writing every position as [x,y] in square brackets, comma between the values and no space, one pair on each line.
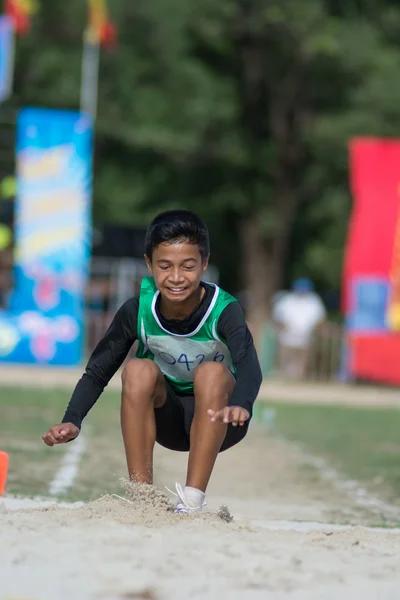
[174,226]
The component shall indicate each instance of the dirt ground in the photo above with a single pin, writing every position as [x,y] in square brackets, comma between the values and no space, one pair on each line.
[283,543]
[110,549]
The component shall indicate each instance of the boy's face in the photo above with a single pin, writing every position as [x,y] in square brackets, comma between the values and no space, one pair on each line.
[177,268]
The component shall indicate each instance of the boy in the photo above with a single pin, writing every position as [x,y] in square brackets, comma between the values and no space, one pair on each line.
[196,374]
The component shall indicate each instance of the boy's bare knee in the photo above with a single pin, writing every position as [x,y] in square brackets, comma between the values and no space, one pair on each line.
[211,370]
[142,384]
[213,385]
[140,372]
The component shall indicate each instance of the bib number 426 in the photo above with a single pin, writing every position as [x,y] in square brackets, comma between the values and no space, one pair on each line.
[191,365]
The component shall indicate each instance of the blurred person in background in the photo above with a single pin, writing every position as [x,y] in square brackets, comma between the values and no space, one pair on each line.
[297,315]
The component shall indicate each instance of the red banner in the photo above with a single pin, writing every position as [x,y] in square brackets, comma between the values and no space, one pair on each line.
[371,297]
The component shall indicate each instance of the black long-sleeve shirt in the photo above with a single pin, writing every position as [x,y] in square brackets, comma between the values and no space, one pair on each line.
[114,347]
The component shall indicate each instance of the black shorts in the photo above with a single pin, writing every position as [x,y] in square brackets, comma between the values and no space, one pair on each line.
[174,419]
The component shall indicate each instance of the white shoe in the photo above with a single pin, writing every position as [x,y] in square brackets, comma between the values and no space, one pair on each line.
[184,506]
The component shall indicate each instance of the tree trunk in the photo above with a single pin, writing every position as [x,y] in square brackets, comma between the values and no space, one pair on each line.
[255,272]
[271,108]
[263,260]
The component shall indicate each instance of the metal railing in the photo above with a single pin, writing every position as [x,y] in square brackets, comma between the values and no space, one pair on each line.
[320,362]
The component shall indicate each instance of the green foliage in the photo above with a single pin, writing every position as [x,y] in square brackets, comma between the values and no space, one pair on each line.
[235,109]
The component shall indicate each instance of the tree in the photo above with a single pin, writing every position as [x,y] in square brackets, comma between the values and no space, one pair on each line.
[239,110]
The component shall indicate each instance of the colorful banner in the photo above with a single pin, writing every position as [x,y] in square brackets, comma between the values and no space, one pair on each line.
[21,11]
[6,56]
[372,265]
[53,215]
[101,30]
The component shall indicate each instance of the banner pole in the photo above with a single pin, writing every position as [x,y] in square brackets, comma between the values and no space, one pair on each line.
[90,75]
[8,44]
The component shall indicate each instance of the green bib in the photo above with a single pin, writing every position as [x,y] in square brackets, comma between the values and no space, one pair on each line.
[178,356]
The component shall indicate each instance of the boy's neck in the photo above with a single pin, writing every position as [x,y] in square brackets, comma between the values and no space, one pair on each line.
[179,312]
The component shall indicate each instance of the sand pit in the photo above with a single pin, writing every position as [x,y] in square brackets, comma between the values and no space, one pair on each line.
[110,549]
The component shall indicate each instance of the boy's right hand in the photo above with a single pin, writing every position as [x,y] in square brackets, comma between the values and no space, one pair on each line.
[61,434]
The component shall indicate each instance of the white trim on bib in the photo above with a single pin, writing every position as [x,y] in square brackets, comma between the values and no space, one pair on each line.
[200,325]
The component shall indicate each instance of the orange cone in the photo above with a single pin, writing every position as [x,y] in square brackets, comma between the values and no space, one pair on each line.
[3,471]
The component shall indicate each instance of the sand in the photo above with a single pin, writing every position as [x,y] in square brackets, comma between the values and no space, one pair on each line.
[111,549]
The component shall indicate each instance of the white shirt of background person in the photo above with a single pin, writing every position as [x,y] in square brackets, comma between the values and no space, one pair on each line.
[298,313]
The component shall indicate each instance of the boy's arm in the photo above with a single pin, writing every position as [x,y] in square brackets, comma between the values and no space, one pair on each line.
[106,359]
[233,329]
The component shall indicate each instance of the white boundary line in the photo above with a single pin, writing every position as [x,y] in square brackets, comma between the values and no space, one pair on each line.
[353,489]
[308,527]
[357,494]
[68,471]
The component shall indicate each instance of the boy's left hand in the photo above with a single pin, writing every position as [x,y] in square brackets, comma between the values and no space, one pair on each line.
[230,414]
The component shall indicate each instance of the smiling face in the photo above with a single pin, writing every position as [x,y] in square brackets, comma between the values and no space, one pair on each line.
[177,268]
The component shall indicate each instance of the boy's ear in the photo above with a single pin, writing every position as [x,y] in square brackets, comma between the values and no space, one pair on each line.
[205,263]
[148,263]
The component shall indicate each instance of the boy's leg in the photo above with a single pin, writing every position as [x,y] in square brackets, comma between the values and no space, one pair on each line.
[143,390]
[213,385]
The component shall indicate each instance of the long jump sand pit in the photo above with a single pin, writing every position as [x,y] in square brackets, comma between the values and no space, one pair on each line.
[111,549]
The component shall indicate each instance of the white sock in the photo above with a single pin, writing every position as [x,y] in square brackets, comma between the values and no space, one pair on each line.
[194,497]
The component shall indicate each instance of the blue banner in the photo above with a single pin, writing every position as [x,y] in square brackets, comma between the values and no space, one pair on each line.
[6,56]
[369,301]
[45,320]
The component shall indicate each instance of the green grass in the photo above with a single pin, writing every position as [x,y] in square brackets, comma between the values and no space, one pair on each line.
[363,443]
[27,414]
